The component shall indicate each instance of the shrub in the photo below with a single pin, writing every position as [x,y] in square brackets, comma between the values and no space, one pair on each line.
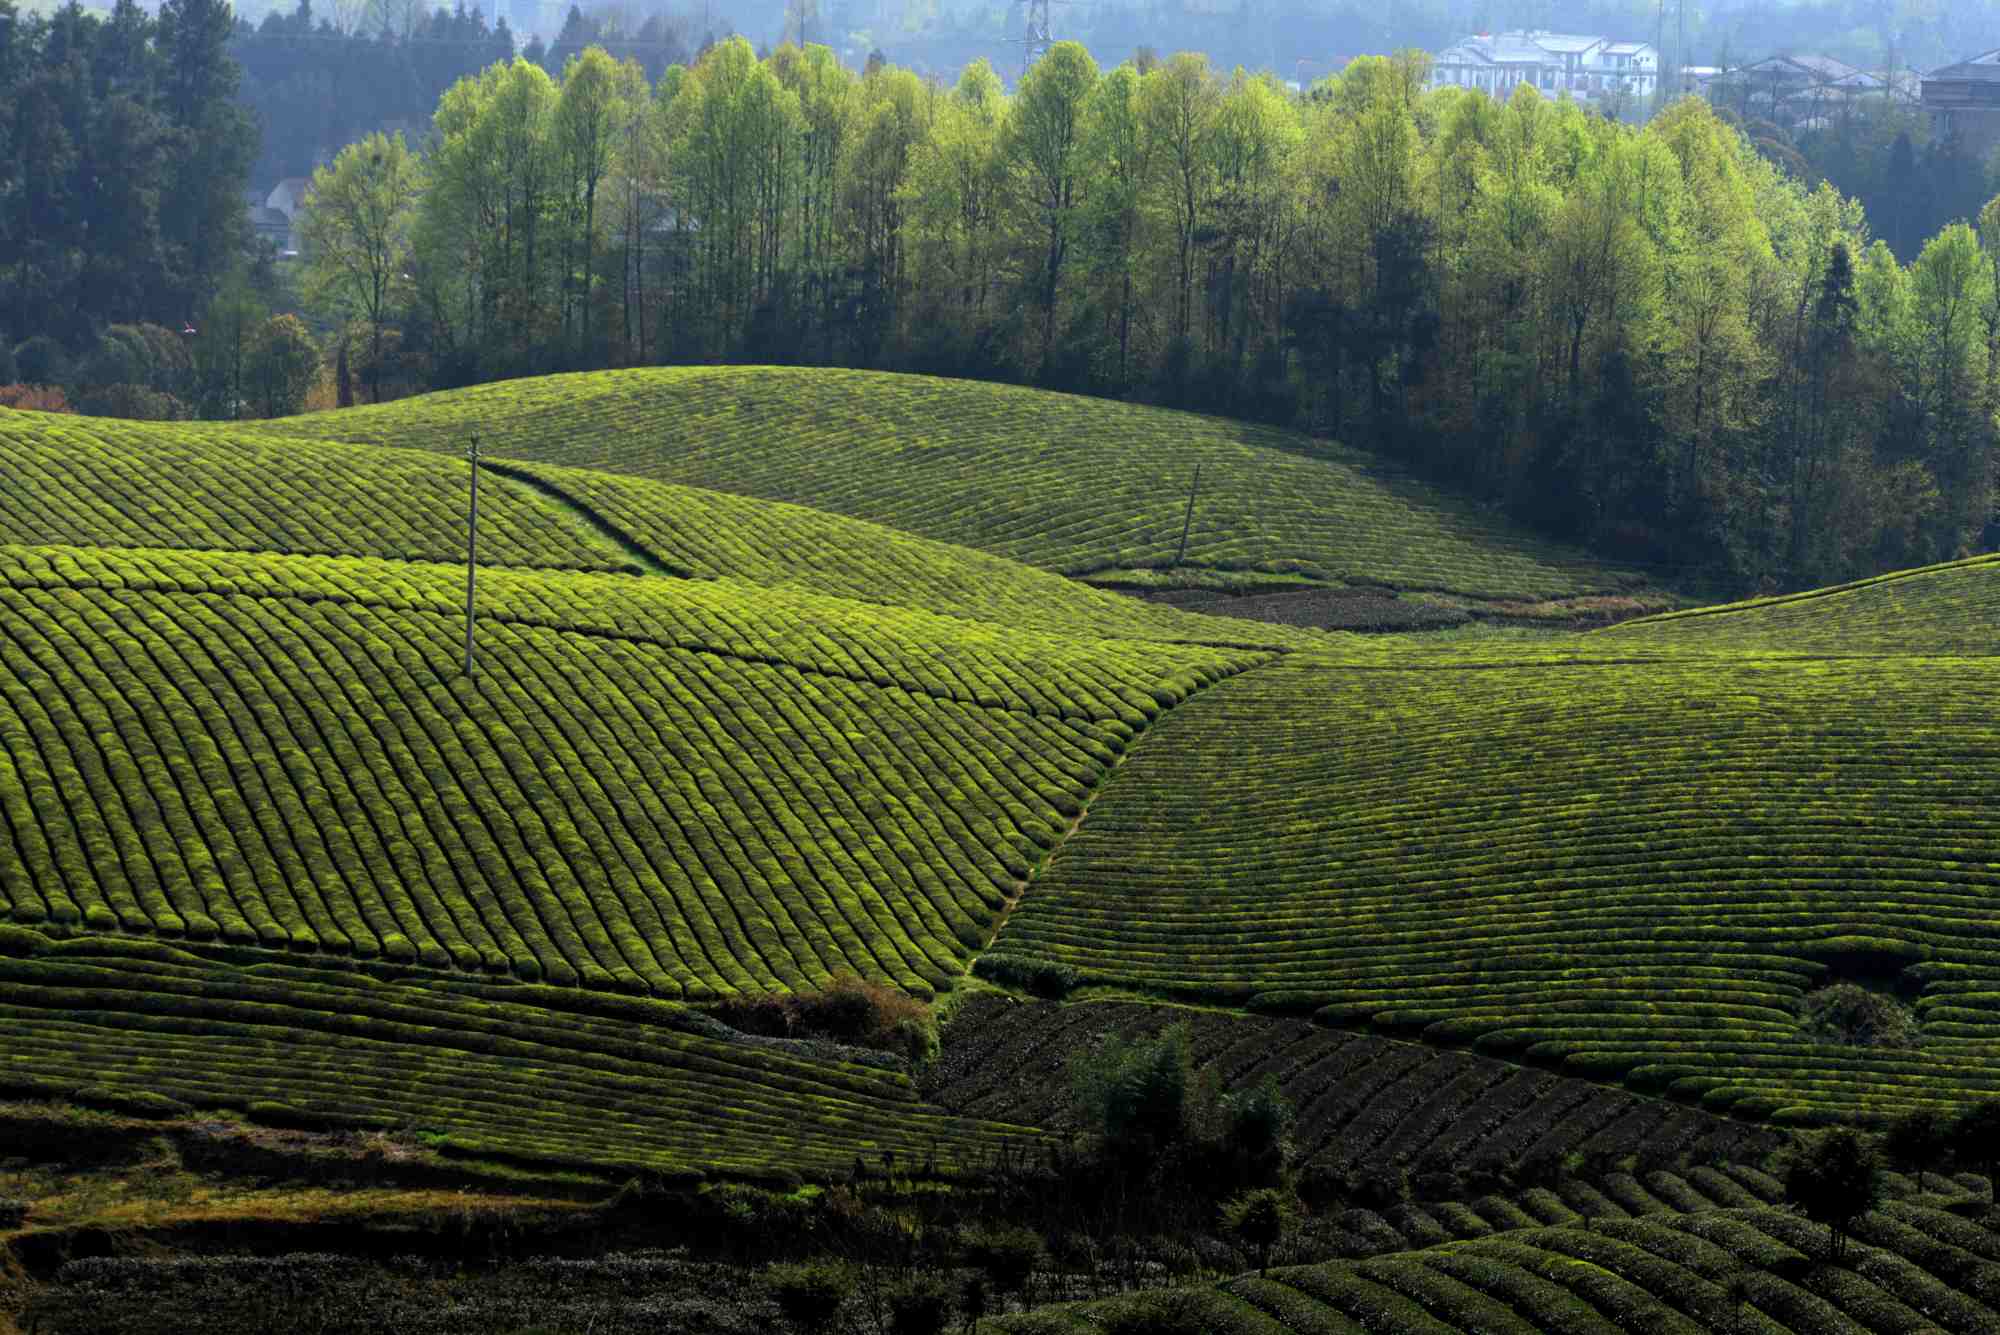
[1046,979]
[8,373]
[1008,1257]
[919,1306]
[1259,1218]
[1974,1136]
[809,1296]
[12,1212]
[848,1009]
[1850,1013]
[132,402]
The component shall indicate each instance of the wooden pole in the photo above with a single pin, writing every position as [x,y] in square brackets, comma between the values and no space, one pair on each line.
[471,549]
[1187,520]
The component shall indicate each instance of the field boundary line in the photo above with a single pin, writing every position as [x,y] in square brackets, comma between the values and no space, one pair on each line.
[590,519]
[1023,886]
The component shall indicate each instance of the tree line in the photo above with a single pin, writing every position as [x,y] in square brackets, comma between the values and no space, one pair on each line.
[1652,340]
[122,165]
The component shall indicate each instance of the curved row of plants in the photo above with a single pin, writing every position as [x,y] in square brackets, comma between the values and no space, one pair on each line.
[1630,869]
[1917,1267]
[713,534]
[289,759]
[101,482]
[1070,484]
[1941,609]
[1371,1116]
[484,1070]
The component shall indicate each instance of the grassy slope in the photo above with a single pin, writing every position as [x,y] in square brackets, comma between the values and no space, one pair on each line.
[1916,1266]
[521,1072]
[1637,868]
[1069,484]
[687,788]
[85,481]
[89,482]
[1941,609]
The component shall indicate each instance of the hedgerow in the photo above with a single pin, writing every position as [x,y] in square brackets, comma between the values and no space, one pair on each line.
[1070,484]
[1612,868]
[651,786]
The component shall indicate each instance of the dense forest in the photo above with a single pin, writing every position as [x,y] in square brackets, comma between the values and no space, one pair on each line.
[1650,339]
[1676,343]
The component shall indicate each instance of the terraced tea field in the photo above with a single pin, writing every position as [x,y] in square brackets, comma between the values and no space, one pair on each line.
[1635,869]
[1367,1108]
[535,1074]
[1916,1267]
[1075,485]
[97,482]
[1942,609]
[681,788]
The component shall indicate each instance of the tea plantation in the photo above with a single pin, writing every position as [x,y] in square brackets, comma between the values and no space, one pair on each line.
[1076,485]
[786,682]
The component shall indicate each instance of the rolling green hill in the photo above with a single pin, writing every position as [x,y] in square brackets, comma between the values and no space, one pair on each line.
[1637,869]
[1917,1267]
[1075,485]
[1941,609]
[659,785]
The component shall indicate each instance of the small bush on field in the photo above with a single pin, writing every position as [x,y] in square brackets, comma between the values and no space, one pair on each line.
[1041,978]
[1850,1013]
[920,1306]
[810,1296]
[848,1009]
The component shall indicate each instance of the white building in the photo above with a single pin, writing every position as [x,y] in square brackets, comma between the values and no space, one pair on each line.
[1588,69]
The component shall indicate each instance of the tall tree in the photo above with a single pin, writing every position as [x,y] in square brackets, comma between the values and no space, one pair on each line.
[1044,138]
[356,229]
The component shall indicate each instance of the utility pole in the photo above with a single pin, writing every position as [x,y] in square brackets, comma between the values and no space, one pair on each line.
[471,548]
[1187,520]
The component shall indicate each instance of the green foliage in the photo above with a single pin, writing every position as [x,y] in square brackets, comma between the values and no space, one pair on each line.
[1132,1093]
[1007,1256]
[735,790]
[283,367]
[1917,1140]
[1068,484]
[1833,1179]
[1850,1013]
[920,1305]
[495,1071]
[1306,837]
[1259,1217]
[810,1296]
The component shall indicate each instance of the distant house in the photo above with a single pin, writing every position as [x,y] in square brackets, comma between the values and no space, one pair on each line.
[271,225]
[287,195]
[1963,102]
[1799,92]
[1599,70]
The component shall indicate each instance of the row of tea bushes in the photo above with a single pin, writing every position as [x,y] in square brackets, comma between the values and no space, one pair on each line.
[1915,1268]
[1630,869]
[1941,609]
[1066,483]
[613,1086]
[715,535]
[100,482]
[277,751]
[1368,1110]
